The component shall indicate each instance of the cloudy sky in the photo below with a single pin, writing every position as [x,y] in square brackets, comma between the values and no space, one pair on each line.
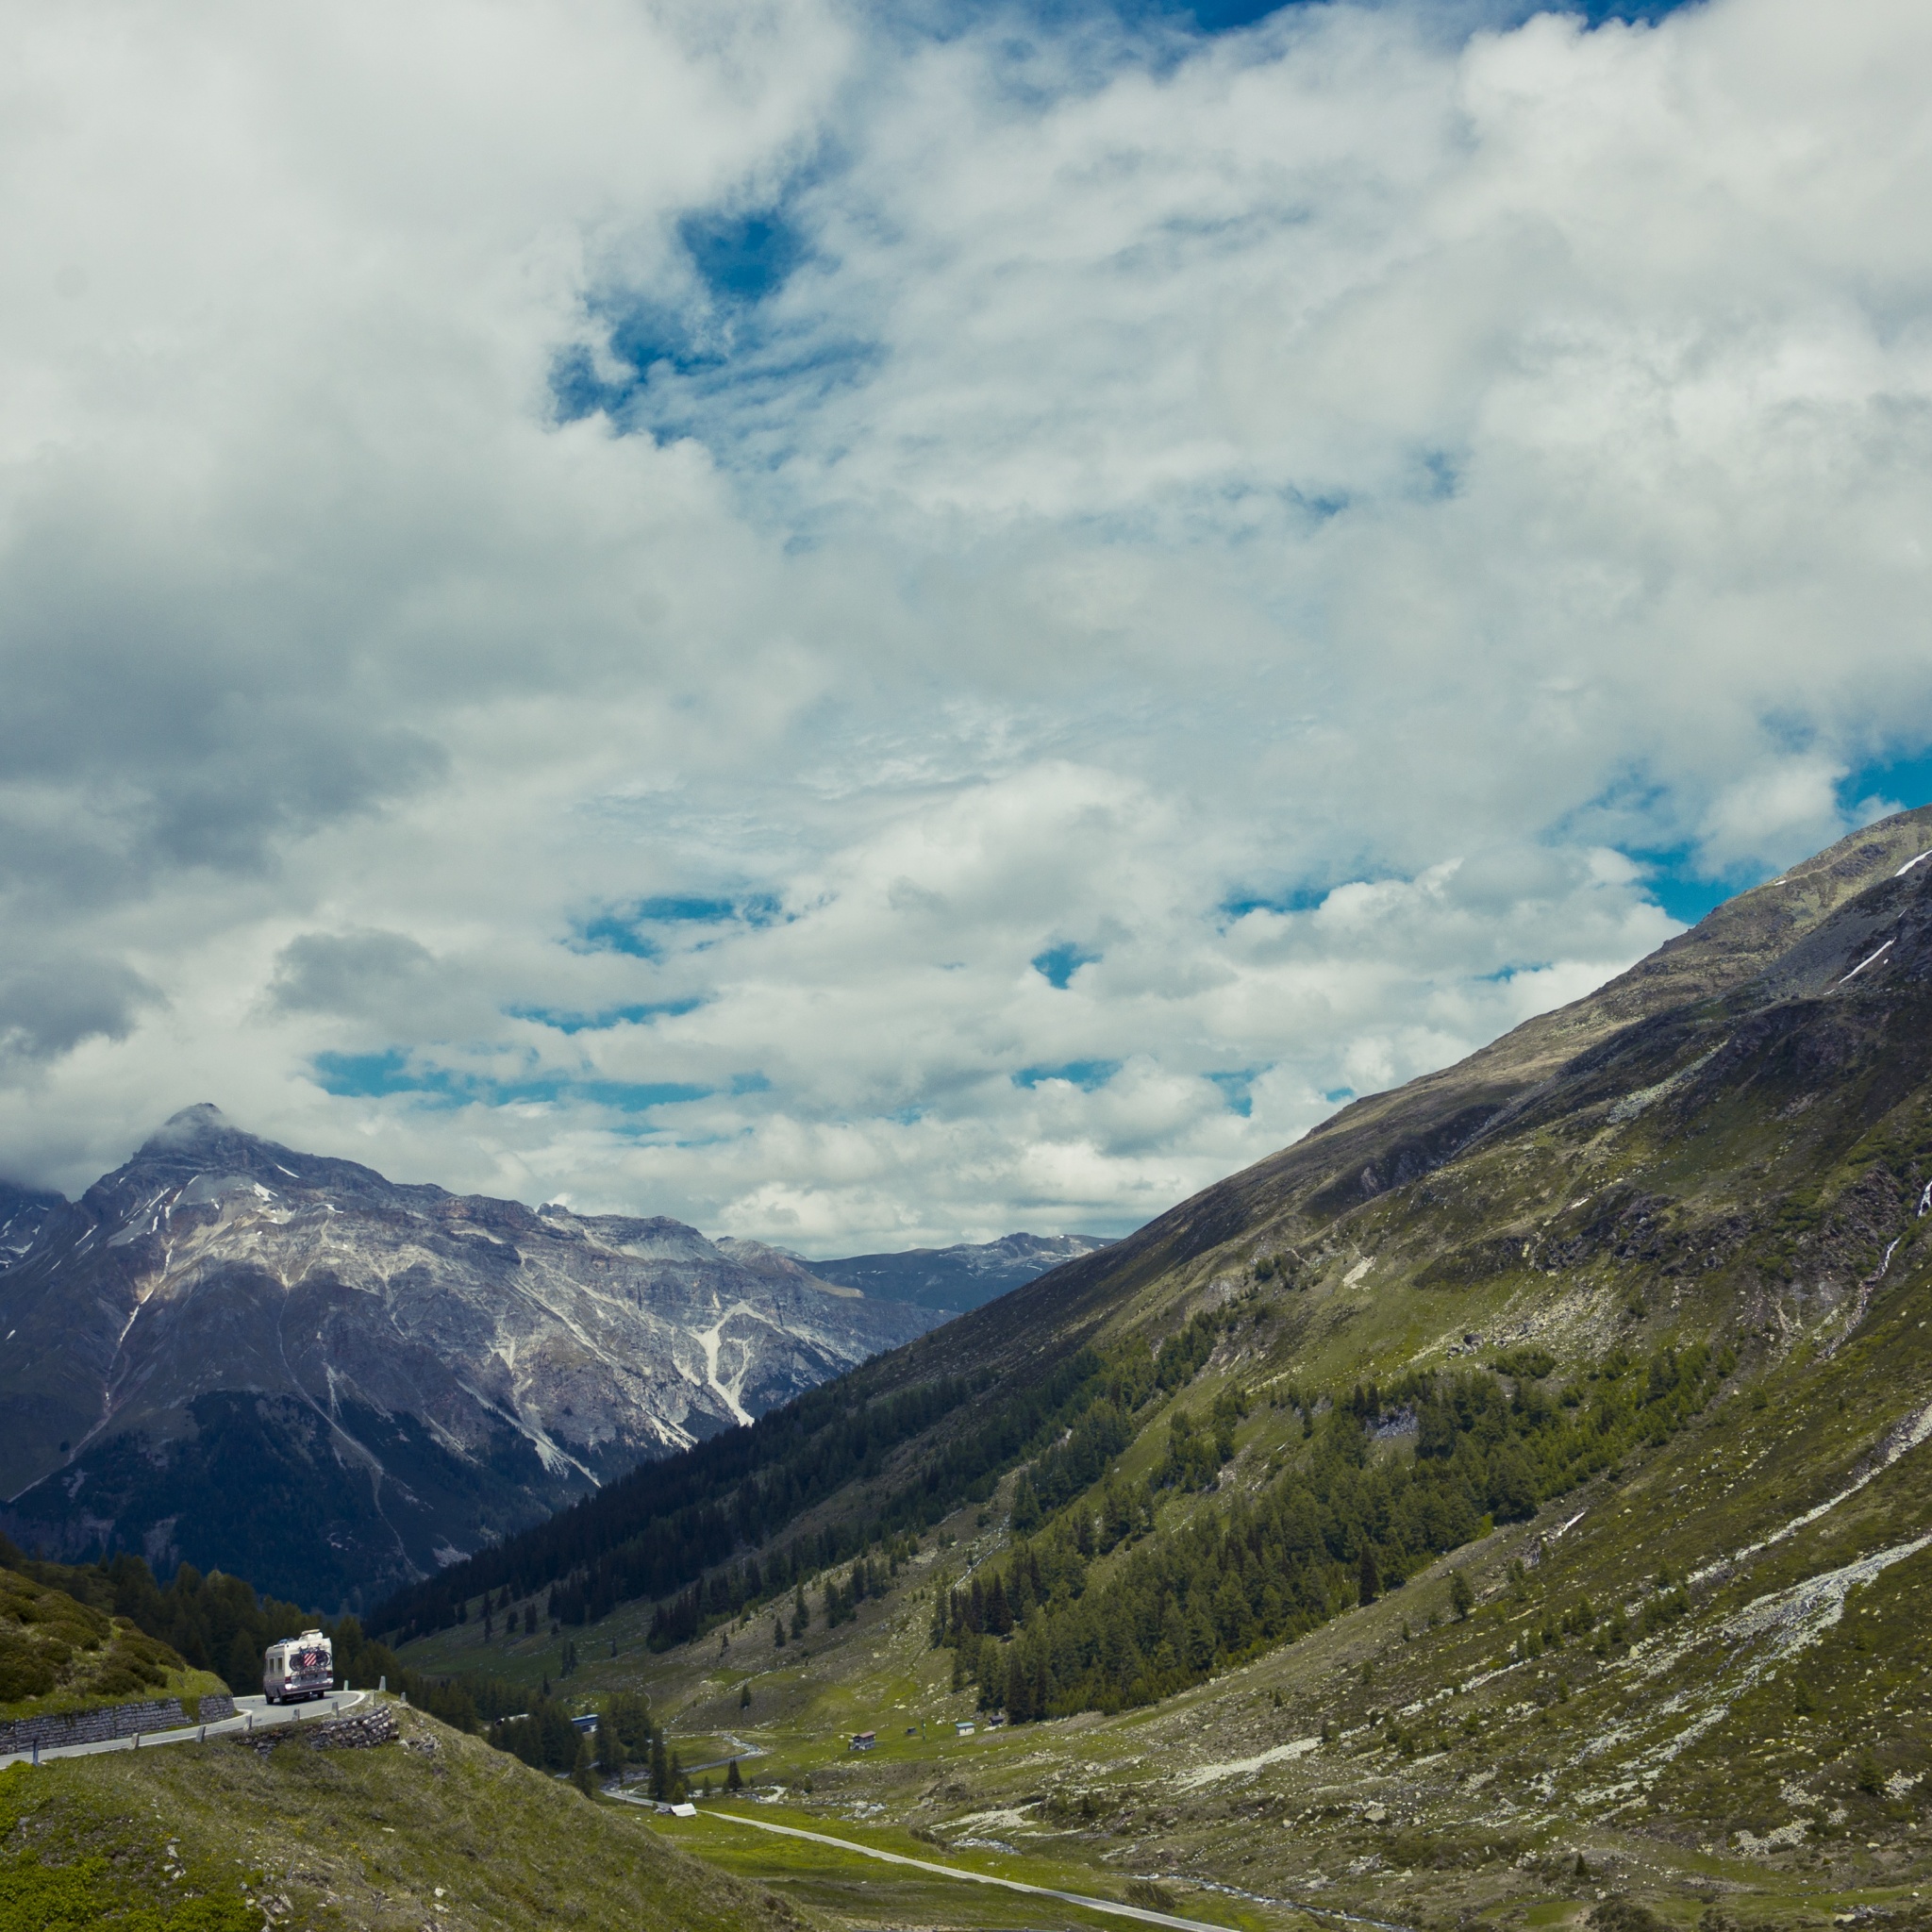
[876,624]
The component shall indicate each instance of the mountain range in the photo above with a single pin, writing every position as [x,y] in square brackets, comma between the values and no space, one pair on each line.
[289,1367]
[961,1276]
[1513,1494]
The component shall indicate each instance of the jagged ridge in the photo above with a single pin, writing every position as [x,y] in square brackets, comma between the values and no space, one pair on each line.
[295,1369]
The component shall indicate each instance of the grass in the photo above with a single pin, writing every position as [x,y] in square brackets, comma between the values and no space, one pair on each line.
[57,1655]
[1486,1786]
[860,1891]
[436,1828]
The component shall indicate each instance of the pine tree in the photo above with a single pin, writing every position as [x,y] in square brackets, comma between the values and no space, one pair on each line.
[744,1696]
[610,1747]
[1462,1598]
[660,1769]
[733,1782]
[584,1771]
[1026,1510]
[243,1674]
[1367,1578]
[999,1615]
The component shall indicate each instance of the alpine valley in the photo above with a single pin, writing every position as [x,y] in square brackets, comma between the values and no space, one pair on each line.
[1509,1502]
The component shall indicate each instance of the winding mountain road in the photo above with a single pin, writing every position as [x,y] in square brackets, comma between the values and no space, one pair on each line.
[251,1714]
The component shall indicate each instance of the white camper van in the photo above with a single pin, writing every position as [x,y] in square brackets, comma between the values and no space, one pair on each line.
[298,1668]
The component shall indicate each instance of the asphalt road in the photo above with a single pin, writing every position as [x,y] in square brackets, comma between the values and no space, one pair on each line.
[251,1714]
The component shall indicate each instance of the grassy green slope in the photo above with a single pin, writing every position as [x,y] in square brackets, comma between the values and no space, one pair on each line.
[435,1829]
[1700,1668]
[60,1655]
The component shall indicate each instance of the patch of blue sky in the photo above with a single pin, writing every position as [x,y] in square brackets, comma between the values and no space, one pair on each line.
[1468,16]
[1905,781]
[1058,964]
[750,1083]
[742,257]
[1688,889]
[1210,17]
[564,1022]
[721,359]
[749,403]
[736,260]
[1244,900]
[1629,813]
[373,1076]
[1088,1075]
[740,375]
[634,1096]
[1674,881]
[1238,1089]
[610,932]
[1504,975]
[621,928]
[641,338]
[1334,1095]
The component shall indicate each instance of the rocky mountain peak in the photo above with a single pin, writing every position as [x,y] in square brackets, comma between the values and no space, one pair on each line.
[408,1373]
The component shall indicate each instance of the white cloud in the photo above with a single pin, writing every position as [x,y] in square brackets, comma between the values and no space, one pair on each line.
[1782,807]
[1332,467]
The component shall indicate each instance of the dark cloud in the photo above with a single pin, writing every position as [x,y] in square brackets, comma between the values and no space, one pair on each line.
[349,974]
[48,1010]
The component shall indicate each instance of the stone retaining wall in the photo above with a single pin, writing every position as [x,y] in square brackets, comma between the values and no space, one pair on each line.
[109,1721]
[356,1733]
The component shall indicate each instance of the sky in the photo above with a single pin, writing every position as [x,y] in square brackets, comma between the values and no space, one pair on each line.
[873,625]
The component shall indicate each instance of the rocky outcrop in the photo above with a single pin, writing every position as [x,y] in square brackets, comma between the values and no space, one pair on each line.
[362,1732]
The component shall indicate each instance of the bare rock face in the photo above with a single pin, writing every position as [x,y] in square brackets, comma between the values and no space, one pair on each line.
[24,1216]
[286,1367]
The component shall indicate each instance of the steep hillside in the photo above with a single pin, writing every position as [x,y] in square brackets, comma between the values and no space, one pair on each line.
[291,1368]
[1516,1487]
[1444,1185]
[432,1828]
[58,1653]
